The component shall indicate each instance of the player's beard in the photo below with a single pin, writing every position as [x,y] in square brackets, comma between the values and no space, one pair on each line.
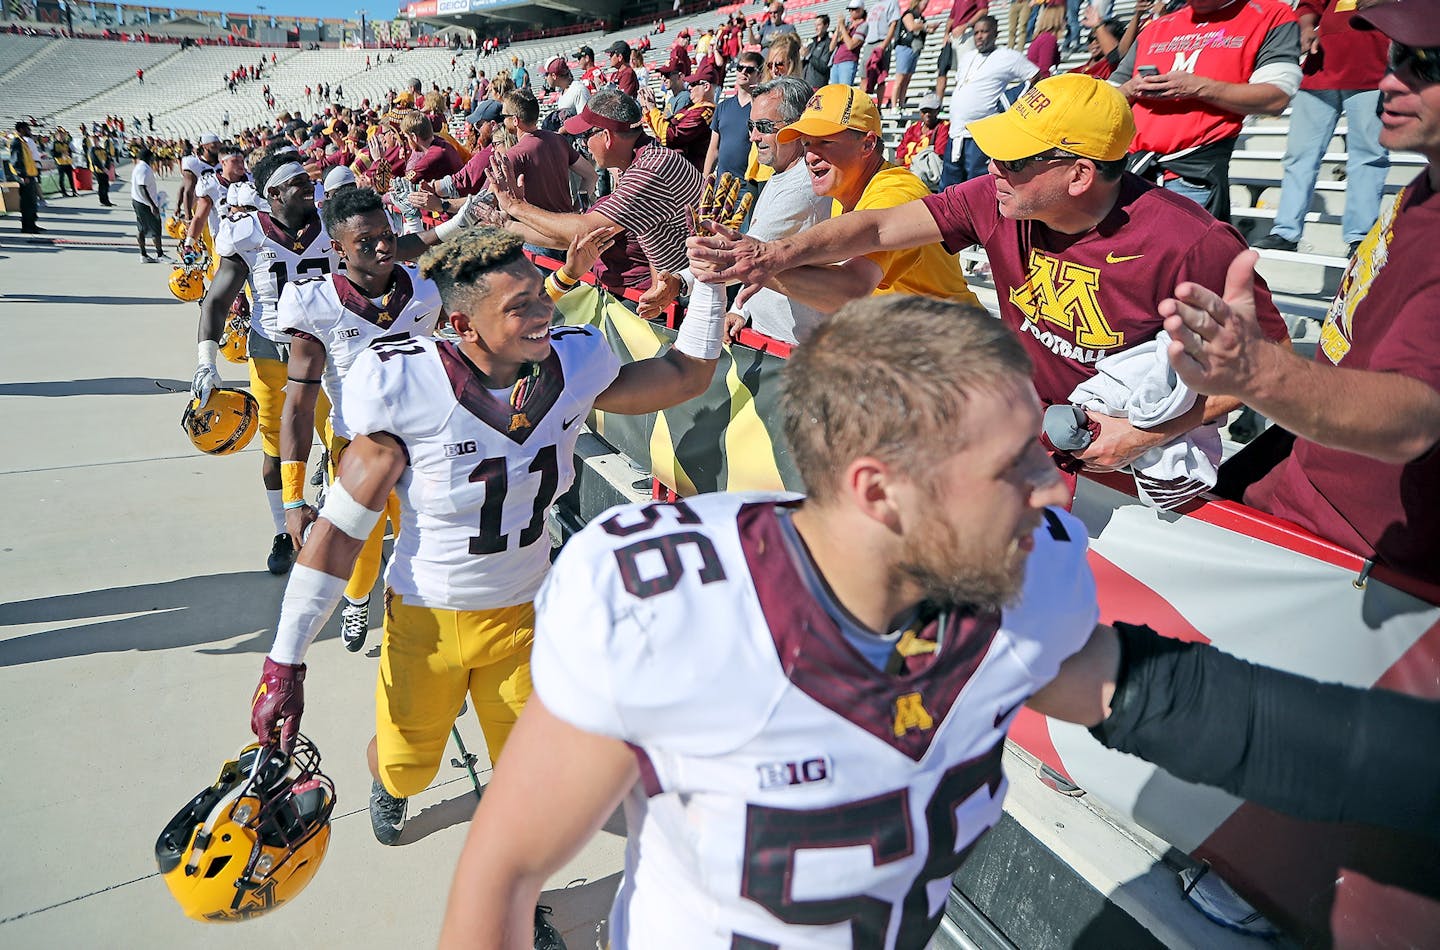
[952,572]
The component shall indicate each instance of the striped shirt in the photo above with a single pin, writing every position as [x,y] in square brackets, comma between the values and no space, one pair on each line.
[649,203]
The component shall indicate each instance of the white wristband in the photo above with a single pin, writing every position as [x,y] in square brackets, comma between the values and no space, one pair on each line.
[347,514]
[208,353]
[310,599]
[446,230]
[703,328]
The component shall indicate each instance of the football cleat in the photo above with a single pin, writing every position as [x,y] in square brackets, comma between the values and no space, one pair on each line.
[253,840]
[546,936]
[387,814]
[354,625]
[225,424]
[282,554]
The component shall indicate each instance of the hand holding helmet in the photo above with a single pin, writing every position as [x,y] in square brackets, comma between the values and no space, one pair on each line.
[207,378]
[280,696]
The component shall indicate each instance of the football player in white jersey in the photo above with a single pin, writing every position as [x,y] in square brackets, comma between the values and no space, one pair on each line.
[803,702]
[211,202]
[477,437]
[192,168]
[267,249]
[331,320]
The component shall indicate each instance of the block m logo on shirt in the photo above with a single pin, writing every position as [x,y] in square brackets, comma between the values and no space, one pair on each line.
[1066,295]
[1185,62]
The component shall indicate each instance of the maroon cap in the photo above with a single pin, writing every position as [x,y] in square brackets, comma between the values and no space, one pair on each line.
[705,72]
[557,67]
[668,69]
[587,120]
[1410,22]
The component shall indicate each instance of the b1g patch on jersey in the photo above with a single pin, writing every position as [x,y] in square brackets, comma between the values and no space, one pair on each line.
[349,333]
[808,771]
[457,449]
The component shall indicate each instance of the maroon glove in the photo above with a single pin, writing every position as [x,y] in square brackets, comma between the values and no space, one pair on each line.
[280,696]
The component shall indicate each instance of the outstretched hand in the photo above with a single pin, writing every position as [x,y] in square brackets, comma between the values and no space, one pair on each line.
[585,249]
[1216,345]
[507,186]
[719,254]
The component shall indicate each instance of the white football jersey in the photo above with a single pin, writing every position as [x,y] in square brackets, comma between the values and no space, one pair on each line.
[482,473]
[275,257]
[195,165]
[212,186]
[791,793]
[336,314]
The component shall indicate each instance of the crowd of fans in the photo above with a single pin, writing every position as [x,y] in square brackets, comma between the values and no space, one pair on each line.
[1062,178]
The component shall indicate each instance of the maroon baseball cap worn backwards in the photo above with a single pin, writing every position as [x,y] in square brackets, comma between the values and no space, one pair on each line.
[586,121]
[1410,22]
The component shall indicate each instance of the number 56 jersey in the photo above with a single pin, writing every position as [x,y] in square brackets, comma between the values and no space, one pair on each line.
[481,472]
[791,794]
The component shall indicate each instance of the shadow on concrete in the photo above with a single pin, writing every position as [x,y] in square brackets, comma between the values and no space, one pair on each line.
[109,386]
[81,299]
[441,815]
[189,612]
[581,909]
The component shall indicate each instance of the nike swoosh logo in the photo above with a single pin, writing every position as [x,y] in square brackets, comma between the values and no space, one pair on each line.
[569,422]
[1112,259]
[1005,714]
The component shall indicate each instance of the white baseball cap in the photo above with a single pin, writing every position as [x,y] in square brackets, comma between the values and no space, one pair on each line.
[930,101]
[209,138]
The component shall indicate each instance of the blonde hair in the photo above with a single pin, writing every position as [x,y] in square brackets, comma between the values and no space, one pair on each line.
[417,124]
[459,266]
[889,377]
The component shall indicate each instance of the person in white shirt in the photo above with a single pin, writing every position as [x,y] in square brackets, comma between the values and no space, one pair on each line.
[145,199]
[573,95]
[881,18]
[787,205]
[981,75]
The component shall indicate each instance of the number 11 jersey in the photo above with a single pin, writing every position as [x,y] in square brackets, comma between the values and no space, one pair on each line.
[482,471]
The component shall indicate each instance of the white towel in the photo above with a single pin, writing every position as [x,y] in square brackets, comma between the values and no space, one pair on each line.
[1140,385]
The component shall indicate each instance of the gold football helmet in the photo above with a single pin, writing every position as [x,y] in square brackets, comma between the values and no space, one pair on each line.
[175,227]
[234,341]
[253,840]
[188,283]
[225,424]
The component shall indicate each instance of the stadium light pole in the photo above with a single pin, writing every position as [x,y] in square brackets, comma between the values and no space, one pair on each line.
[362,27]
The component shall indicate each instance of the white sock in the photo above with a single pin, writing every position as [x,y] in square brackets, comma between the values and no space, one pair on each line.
[358,603]
[277,509]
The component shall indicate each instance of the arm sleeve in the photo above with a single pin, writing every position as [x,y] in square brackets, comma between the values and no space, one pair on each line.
[1319,751]
[1126,67]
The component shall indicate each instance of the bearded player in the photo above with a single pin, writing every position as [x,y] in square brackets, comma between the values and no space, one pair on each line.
[267,249]
[477,437]
[803,701]
[331,320]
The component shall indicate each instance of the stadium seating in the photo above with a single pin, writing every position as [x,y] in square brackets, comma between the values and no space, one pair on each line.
[73,81]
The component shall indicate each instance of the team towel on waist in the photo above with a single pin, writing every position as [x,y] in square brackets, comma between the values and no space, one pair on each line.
[1140,385]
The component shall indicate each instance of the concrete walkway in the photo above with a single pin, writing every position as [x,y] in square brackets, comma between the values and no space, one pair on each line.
[134,614]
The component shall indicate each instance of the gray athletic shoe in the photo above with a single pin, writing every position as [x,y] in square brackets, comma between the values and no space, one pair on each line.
[387,814]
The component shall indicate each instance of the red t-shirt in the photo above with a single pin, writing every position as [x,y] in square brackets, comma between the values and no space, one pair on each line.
[917,138]
[1228,45]
[1074,299]
[1348,58]
[626,81]
[1382,320]
[544,159]
[471,178]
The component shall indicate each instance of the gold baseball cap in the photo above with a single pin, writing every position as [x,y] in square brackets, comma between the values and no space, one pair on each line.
[1079,114]
[832,110]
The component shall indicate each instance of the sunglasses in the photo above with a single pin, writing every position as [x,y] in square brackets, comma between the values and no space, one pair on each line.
[748,69]
[779,64]
[368,245]
[763,126]
[1422,62]
[1017,165]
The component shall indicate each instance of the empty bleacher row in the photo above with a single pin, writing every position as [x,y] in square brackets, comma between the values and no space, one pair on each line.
[72,81]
